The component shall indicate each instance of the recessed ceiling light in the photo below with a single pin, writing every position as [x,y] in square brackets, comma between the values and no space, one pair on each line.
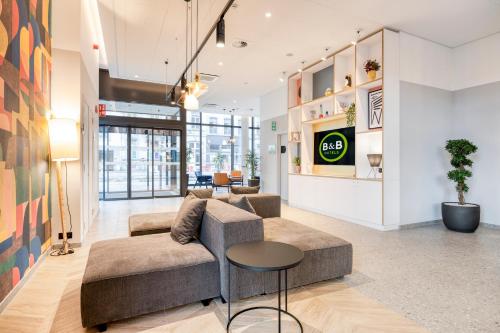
[268,14]
[234,101]
[220,63]
[282,80]
[136,76]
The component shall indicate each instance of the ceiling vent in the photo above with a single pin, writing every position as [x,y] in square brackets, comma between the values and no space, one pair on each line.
[211,106]
[209,78]
[239,43]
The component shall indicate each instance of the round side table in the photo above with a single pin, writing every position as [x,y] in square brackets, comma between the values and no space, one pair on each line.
[264,256]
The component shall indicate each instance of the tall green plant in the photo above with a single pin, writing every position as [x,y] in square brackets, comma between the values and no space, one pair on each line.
[460,150]
[219,161]
[252,163]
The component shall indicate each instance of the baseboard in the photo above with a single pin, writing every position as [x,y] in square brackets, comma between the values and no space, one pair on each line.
[419,224]
[23,281]
[489,225]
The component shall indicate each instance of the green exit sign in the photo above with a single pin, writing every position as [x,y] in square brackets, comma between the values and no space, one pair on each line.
[273,125]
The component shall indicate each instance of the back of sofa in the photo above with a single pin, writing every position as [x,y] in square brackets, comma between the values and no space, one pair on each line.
[265,205]
[224,225]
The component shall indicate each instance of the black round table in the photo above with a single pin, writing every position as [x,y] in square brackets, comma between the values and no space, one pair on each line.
[264,256]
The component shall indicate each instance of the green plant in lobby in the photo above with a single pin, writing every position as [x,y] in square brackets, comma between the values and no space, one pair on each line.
[219,161]
[460,216]
[252,164]
[296,163]
[351,115]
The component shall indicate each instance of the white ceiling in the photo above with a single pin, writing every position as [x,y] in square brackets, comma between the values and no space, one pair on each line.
[140,34]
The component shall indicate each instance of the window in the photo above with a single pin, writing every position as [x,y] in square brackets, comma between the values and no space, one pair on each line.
[216,142]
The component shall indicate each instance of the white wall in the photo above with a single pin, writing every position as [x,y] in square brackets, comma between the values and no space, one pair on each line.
[274,103]
[75,88]
[424,62]
[476,63]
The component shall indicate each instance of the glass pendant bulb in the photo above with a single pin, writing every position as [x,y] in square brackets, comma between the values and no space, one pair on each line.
[191,102]
[197,87]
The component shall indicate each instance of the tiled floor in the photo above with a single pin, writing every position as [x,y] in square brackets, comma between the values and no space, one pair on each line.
[403,281]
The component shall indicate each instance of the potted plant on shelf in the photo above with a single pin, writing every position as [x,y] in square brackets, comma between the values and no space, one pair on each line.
[219,161]
[296,163]
[460,216]
[252,164]
[350,115]
[371,68]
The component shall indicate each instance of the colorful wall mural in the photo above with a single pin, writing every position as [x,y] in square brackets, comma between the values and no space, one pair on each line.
[25,73]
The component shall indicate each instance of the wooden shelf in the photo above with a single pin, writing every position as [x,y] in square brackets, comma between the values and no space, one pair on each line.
[318,100]
[292,141]
[370,84]
[375,130]
[336,176]
[346,92]
[336,117]
[294,107]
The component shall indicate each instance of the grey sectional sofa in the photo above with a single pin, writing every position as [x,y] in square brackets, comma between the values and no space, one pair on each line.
[137,275]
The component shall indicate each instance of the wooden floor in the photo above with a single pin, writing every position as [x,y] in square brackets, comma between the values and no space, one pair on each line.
[50,300]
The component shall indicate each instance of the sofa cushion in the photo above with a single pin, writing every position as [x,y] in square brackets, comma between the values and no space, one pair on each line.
[325,256]
[152,223]
[265,205]
[186,226]
[131,276]
[245,189]
[241,201]
[203,193]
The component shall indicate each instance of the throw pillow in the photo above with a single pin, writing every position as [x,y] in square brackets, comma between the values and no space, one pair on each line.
[245,189]
[188,220]
[241,202]
[204,193]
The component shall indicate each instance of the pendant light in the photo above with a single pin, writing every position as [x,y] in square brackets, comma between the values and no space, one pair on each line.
[221,33]
[197,87]
[190,100]
[170,98]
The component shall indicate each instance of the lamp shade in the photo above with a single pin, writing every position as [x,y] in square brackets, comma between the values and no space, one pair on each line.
[64,143]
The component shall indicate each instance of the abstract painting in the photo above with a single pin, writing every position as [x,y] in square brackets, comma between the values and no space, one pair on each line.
[375,104]
[25,74]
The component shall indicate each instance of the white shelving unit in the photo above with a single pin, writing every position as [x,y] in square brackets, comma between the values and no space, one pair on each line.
[317,113]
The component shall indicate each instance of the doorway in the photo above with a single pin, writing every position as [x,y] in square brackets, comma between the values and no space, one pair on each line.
[139,163]
[283,162]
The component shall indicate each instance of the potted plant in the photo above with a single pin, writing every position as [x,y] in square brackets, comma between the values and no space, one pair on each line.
[219,161]
[252,163]
[350,115]
[296,163]
[460,216]
[371,68]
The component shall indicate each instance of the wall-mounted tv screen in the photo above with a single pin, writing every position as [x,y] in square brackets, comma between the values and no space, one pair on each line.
[335,147]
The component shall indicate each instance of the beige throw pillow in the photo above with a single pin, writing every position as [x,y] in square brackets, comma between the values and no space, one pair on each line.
[241,202]
[204,193]
[187,223]
[245,189]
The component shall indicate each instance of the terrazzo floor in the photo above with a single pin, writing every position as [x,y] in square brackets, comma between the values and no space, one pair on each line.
[412,280]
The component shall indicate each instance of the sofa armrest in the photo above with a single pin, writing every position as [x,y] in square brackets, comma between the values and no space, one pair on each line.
[265,205]
[224,225]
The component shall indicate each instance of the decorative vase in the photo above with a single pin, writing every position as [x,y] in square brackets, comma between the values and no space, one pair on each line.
[328,92]
[372,75]
[297,169]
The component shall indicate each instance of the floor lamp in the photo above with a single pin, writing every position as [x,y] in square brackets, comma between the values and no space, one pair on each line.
[64,147]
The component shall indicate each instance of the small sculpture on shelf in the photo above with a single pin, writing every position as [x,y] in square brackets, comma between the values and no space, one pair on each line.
[371,68]
[348,81]
[321,115]
[296,163]
[328,91]
[312,114]
[295,137]
[351,115]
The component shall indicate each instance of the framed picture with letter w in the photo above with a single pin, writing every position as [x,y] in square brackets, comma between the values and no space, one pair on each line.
[375,103]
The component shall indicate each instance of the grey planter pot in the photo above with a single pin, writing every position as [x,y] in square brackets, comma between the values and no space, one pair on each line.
[461,218]
[253,182]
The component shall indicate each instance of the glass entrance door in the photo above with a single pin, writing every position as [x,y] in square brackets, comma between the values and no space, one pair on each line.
[139,162]
[167,163]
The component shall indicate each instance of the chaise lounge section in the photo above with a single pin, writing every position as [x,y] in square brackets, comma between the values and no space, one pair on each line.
[151,272]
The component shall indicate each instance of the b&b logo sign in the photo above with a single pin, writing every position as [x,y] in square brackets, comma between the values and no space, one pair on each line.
[333,147]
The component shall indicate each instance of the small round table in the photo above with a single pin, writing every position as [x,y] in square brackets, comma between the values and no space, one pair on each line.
[264,256]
